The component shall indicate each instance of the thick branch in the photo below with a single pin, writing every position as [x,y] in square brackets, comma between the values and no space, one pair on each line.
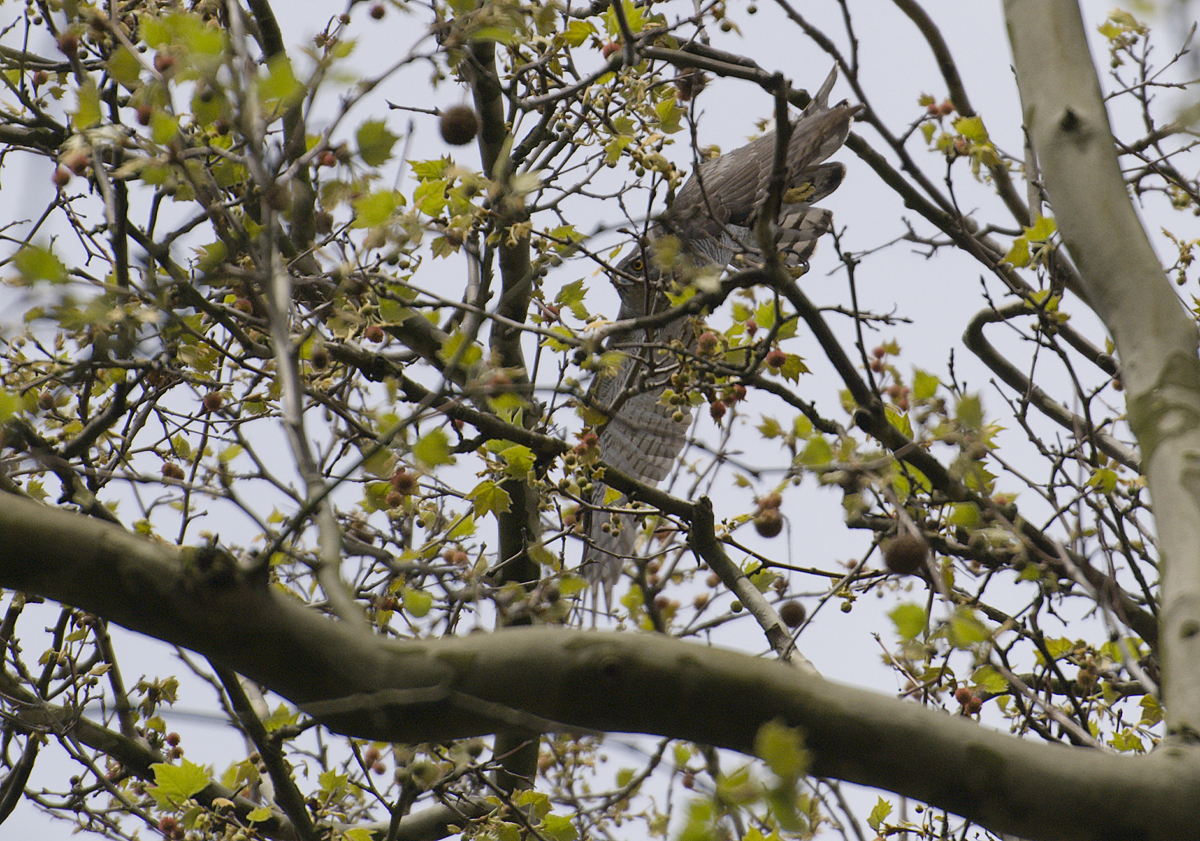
[1156,341]
[978,344]
[548,678]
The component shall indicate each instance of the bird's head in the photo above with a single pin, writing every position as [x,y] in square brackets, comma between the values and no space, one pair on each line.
[647,272]
[637,280]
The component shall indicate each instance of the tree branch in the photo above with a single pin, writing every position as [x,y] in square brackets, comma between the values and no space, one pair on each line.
[419,691]
[1155,340]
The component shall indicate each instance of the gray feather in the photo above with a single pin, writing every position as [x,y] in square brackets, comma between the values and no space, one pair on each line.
[712,216]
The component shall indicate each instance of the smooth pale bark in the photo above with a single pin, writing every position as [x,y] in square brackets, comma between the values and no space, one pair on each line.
[1156,340]
[553,679]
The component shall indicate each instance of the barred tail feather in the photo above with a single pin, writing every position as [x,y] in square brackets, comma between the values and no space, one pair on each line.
[643,440]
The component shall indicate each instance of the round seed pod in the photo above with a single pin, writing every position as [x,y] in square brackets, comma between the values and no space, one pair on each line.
[459,125]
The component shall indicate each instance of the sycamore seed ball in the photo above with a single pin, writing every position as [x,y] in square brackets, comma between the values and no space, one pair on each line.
[459,125]
[768,522]
[905,554]
[792,613]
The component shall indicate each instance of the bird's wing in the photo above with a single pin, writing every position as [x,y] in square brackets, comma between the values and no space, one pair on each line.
[718,204]
[642,438]
[711,215]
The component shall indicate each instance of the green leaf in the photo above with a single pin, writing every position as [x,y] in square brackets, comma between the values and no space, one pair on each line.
[559,827]
[578,31]
[802,427]
[683,753]
[425,170]
[375,142]
[281,717]
[1019,254]
[379,464]
[433,449]
[181,447]
[155,32]
[464,528]
[899,420]
[633,16]
[787,328]
[572,585]
[508,405]
[124,67]
[506,35]
[793,367]
[571,296]
[1127,741]
[817,453]
[87,113]
[1057,648]
[763,578]
[185,31]
[969,412]
[175,784]
[36,263]
[782,748]
[1103,480]
[518,460]
[487,497]
[988,678]
[909,620]
[280,87]
[539,802]
[375,208]
[163,126]
[542,556]
[554,344]
[1151,711]
[971,128]
[262,813]
[924,386]
[1043,228]
[965,515]
[207,108]
[784,806]
[669,115]
[614,147]
[470,354]
[966,630]
[430,197]
[765,315]
[879,814]
[393,312]
[568,233]
[332,781]
[1045,299]
[417,603]
[443,247]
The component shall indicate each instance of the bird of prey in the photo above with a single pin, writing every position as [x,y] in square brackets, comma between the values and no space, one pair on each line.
[711,221]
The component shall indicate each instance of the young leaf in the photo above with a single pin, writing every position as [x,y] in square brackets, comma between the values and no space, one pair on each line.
[375,142]
[175,784]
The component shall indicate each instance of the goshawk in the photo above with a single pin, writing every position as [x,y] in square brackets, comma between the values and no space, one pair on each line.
[711,221]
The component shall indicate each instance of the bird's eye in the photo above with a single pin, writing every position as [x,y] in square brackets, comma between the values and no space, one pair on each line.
[636,265]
